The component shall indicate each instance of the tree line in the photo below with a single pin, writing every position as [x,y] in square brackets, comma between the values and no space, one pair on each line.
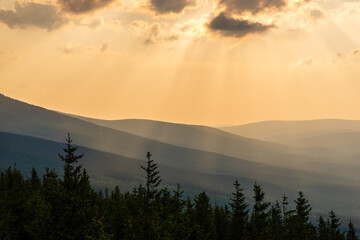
[67,207]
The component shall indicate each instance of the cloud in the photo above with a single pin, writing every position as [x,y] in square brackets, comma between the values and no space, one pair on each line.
[104,46]
[171,6]
[83,6]
[90,23]
[306,62]
[31,14]
[239,28]
[252,6]
[153,34]
[172,38]
[67,49]
[316,14]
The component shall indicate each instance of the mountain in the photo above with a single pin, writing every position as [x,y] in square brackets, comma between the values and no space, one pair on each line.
[21,118]
[107,169]
[328,138]
[198,157]
[279,130]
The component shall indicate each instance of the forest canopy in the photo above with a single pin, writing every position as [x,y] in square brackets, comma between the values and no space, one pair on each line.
[68,207]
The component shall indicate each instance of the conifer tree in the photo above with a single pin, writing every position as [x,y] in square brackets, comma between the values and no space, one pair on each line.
[72,172]
[13,198]
[351,233]
[51,192]
[179,230]
[257,227]
[153,181]
[222,222]
[288,218]
[302,208]
[334,227]
[35,182]
[302,228]
[203,217]
[77,196]
[286,213]
[239,212]
[323,229]
[275,223]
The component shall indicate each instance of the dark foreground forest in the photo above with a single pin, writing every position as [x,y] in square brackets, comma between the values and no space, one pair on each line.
[67,207]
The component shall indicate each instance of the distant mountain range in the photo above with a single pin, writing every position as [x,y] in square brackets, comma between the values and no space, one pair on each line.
[317,157]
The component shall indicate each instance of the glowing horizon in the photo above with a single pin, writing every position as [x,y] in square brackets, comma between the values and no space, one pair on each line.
[209,62]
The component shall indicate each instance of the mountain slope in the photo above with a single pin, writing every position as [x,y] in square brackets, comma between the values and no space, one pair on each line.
[21,118]
[328,138]
[282,131]
[108,169]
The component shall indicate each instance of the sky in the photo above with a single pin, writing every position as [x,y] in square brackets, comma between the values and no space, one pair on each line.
[211,62]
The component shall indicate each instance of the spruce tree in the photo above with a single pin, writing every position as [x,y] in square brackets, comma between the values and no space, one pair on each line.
[72,172]
[153,181]
[35,182]
[204,221]
[302,208]
[323,229]
[239,212]
[302,227]
[334,227]
[257,227]
[288,218]
[275,222]
[77,196]
[13,205]
[222,223]
[351,233]
[286,213]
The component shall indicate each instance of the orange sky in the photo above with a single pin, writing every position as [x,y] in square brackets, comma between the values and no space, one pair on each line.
[214,62]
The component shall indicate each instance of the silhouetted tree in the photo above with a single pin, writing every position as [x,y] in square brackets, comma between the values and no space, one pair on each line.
[239,212]
[258,225]
[153,181]
[203,217]
[302,227]
[323,229]
[276,223]
[334,227]
[351,233]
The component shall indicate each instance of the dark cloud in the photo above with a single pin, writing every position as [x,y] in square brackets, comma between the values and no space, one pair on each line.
[170,6]
[31,14]
[228,26]
[316,14]
[252,6]
[83,6]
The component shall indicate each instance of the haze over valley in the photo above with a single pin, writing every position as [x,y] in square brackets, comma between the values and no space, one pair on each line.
[284,157]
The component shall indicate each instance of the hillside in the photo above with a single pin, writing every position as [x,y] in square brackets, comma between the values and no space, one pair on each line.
[327,138]
[22,118]
[199,157]
[108,169]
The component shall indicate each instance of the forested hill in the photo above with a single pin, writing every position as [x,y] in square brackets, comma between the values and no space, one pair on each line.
[67,207]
